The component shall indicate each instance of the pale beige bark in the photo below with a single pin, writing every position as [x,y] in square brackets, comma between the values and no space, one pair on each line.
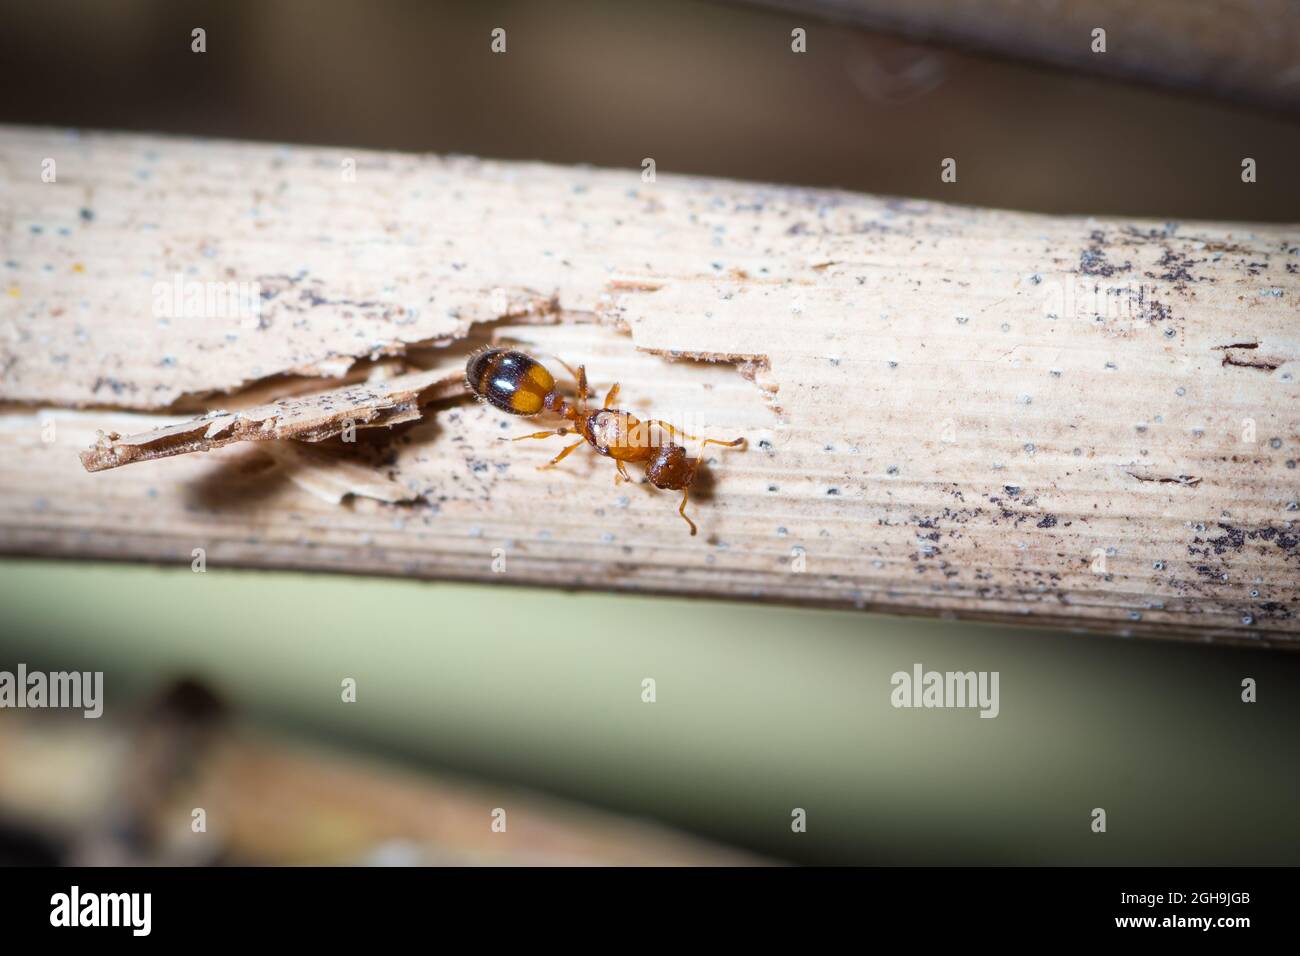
[954,411]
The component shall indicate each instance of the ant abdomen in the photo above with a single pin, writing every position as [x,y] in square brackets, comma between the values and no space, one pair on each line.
[509,380]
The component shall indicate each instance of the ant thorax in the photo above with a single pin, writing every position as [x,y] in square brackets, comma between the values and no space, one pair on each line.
[619,435]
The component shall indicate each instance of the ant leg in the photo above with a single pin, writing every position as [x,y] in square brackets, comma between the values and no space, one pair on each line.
[579,377]
[557,431]
[567,367]
[674,432]
[611,395]
[621,475]
[686,494]
[560,457]
[584,392]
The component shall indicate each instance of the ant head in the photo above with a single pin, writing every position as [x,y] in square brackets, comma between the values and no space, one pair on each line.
[670,468]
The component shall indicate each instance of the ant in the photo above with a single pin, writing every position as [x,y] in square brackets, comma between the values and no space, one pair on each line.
[517,383]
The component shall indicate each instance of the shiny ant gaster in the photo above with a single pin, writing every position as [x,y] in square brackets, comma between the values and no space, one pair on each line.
[517,383]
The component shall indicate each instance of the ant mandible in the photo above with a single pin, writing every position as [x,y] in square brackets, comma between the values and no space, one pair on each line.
[517,383]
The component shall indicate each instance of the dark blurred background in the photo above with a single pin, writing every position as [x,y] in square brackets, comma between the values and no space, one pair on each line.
[704,88]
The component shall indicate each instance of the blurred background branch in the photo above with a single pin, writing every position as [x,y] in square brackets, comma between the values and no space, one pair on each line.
[1248,51]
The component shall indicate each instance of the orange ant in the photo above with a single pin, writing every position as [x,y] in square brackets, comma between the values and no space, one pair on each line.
[517,383]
